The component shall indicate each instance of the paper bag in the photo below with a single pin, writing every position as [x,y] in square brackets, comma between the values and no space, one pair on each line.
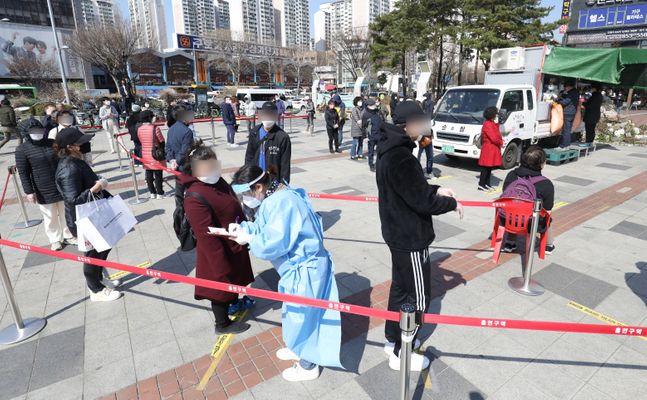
[108,221]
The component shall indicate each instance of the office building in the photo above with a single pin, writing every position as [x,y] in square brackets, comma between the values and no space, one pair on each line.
[252,20]
[34,12]
[322,27]
[92,12]
[194,17]
[292,23]
[148,21]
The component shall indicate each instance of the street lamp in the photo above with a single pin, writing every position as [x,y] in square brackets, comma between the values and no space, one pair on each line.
[58,52]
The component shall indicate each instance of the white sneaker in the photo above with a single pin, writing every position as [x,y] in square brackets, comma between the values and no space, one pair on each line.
[70,241]
[111,284]
[286,354]
[56,246]
[153,196]
[105,295]
[297,374]
[389,346]
[234,145]
[418,362]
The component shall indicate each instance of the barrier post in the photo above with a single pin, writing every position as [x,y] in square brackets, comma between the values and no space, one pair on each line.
[116,139]
[213,131]
[27,223]
[22,329]
[137,199]
[290,125]
[525,284]
[408,329]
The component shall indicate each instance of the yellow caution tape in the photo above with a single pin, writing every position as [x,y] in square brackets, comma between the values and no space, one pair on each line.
[599,316]
[121,274]
[442,177]
[219,349]
[559,204]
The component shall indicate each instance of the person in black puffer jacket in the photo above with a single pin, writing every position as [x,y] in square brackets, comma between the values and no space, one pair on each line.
[78,183]
[406,204]
[36,163]
[132,124]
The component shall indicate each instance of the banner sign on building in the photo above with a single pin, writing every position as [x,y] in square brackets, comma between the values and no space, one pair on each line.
[606,20]
[229,47]
[566,13]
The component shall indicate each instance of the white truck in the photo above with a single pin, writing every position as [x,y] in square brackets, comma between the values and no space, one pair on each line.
[517,87]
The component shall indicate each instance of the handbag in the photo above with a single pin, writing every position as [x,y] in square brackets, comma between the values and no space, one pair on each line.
[181,224]
[158,152]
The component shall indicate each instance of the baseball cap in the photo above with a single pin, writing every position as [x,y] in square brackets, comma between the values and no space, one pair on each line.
[370,102]
[407,111]
[68,136]
[268,107]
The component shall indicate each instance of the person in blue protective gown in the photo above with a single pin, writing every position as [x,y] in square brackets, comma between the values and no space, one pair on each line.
[287,232]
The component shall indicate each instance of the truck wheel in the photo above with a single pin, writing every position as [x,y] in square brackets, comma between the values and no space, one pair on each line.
[511,155]
[451,157]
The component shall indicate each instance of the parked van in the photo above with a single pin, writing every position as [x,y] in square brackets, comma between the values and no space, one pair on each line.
[258,96]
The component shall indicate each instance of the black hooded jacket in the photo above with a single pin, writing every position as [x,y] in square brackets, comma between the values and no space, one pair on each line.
[406,200]
[36,162]
[277,148]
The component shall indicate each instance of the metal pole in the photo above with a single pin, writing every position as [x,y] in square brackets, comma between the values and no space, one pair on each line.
[213,131]
[58,52]
[27,223]
[526,285]
[408,329]
[290,125]
[22,329]
[136,200]
[116,139]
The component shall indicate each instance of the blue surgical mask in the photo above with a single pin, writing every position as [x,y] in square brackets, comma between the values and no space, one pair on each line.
[251,202]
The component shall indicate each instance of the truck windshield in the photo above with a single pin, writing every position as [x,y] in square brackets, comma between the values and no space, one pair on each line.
[465,106]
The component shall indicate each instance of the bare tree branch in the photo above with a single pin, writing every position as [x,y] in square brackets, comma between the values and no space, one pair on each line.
[352,50]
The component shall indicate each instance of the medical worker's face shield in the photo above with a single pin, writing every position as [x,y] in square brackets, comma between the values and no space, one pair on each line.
[250,196]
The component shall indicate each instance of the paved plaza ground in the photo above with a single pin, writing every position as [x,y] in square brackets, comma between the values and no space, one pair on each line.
[156,341]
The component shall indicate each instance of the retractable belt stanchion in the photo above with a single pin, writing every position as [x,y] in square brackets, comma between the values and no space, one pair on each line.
[137,199]
[22,329]
[290,124]
[408,328]
[525,285]
[213,131]
[27,223]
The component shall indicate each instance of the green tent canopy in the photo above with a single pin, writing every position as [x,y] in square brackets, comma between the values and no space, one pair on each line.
[626,67]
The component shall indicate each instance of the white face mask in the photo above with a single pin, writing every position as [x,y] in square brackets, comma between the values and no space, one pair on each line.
[36,136]
[359,104]
[215,175]
[251,202]
[106,103]
[371,107]
[268,124]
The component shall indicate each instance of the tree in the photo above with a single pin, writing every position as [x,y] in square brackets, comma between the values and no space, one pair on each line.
[492,24]
[397,34]
[108,47]
[42,74]
[352,50]
[302,62]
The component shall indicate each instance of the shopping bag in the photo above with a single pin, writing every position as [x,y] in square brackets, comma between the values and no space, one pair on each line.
[83,211]
[108,222]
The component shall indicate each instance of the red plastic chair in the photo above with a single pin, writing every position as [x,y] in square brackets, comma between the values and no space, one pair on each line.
[518,216]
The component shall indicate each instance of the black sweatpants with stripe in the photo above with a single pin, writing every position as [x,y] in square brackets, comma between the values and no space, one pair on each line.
[410,283]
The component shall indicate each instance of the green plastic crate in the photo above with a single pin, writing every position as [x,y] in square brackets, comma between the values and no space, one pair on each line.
[560,156]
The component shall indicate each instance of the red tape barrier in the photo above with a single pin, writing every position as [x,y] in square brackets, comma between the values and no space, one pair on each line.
[342,307]
[161,122]
[374,199]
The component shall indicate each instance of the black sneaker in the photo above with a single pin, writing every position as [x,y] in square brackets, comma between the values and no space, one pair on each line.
[550,248]
[332,151]
[372,168]
[354,158]
[509,248]
[233,328]
[483,189]
[337,151]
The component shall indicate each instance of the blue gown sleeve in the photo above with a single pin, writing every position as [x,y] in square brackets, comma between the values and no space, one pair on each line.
[276,229]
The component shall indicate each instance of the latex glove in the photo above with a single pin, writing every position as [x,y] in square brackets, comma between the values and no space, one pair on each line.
[173,164]
[32,198]
[104,183]
[460,210]
[447,192]
[239,235]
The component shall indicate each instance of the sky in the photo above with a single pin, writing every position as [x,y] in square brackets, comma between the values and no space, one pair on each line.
[314,6]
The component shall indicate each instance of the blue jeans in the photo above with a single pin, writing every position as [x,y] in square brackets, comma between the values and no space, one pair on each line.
[341,132]
[307,365]
[231,132]
[429,152]
[566,131]
[357,148]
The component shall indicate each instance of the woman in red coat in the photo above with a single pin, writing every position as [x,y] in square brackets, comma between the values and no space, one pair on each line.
[153,168]
[209,201]
[491,143]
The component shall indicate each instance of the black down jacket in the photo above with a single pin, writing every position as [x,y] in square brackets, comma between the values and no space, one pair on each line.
[74,179]
[36,163]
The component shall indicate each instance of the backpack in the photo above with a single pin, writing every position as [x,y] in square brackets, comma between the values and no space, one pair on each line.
[181,224]
[522,188]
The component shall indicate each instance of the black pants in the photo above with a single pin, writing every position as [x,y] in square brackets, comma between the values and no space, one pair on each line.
[590,131]
[372,144]
[179,194]
[486,174]
[410,283]
[154,181]
[94,274]
[138,152]
[221,313]
[333,137]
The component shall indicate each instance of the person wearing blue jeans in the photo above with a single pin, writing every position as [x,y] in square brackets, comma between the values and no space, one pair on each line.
[429,152]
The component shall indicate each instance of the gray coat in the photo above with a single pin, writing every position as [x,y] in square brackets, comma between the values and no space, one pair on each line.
[356,123]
